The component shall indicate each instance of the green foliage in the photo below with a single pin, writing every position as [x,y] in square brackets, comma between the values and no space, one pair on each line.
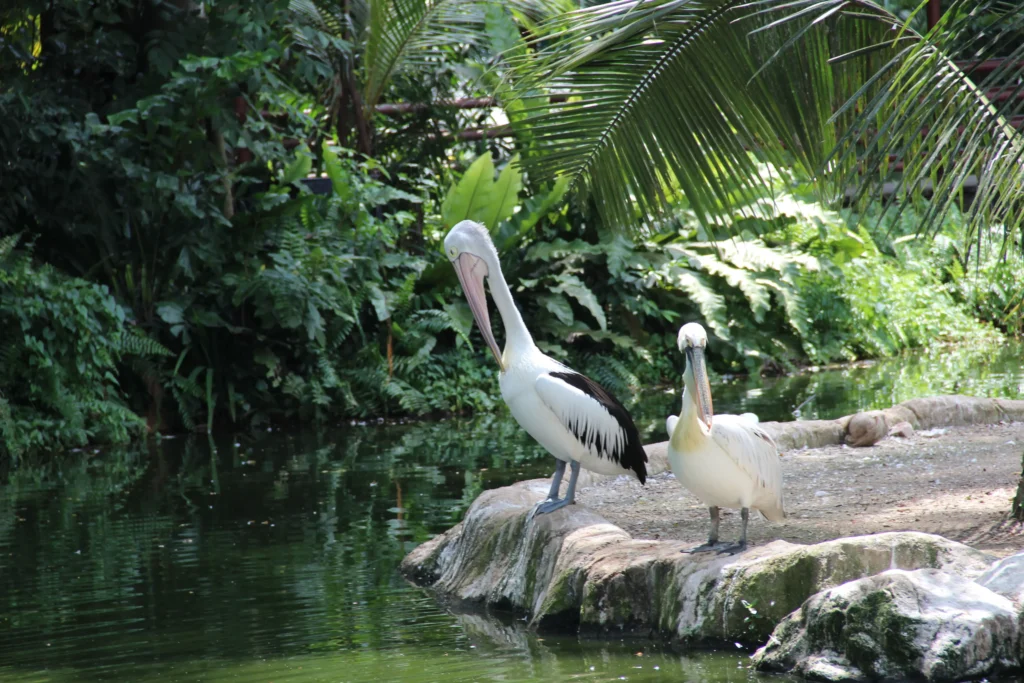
[197,279]
[479,197]
[888,292]
[63,338]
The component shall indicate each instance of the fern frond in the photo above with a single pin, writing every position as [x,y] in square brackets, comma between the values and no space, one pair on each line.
[8,244]
[135,342]
[699,290]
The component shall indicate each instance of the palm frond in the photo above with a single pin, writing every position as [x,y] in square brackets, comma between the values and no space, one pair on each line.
[407,34]
[927,129]
[659,97]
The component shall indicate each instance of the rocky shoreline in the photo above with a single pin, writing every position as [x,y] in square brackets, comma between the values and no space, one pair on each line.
[885,606]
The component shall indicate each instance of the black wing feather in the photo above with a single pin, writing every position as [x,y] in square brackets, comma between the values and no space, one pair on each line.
[631,455]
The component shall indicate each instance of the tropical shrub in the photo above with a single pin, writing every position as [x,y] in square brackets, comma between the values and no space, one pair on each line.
[63,338]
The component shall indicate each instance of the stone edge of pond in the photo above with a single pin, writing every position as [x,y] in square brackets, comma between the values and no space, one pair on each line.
[574,571]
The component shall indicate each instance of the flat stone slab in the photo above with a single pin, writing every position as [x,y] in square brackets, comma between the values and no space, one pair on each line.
[573,570]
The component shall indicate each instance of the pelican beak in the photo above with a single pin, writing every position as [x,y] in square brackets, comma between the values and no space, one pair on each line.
[702,388]
[471,271]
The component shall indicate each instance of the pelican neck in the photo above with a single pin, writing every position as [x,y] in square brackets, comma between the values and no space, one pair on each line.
[517,337]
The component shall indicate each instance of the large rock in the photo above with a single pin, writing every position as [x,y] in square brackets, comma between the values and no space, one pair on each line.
[1006,577]
[897,625]
[572,569]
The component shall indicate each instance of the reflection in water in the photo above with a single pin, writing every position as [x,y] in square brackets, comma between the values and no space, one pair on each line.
[273,557]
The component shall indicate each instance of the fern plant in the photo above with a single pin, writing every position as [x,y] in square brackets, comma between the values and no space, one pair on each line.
[58,364]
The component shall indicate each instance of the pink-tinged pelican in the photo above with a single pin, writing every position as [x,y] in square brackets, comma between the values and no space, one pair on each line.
[576,419]
[724,460]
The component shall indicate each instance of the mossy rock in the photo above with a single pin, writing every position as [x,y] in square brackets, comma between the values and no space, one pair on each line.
[897,625]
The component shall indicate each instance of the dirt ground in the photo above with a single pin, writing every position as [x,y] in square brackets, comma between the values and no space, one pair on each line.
[956,482]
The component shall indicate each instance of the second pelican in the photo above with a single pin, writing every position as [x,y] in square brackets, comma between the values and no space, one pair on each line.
[724,460]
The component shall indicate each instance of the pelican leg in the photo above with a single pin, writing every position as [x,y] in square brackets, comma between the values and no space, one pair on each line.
[556,480]
[553,502]
[712,543]
[740,546]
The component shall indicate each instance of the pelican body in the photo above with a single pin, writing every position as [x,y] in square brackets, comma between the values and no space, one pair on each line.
[576,419]
[725,460]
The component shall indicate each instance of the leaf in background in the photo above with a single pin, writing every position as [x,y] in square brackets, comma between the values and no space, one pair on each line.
[505,195]
[472,196]
[300,168]
[849,247]
[574,287]
[462,320]
[501,28]
[560,307]
[380,302]
[336,172]
[534,209]
[171,312]
[710,303]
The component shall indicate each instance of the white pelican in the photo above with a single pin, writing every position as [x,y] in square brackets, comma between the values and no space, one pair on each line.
[733,463]
[576,419]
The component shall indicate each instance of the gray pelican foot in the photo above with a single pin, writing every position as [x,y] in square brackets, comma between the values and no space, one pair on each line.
[732,548]
[551,505]
[705,548]
[553,502]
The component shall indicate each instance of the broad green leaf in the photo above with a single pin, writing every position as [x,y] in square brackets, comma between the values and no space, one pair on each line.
[472,197]
[171,312]
[379,301]
[560,307]
[534,209]
[574,287]
[299,168]
[505,195]
[502,31]
[336,172]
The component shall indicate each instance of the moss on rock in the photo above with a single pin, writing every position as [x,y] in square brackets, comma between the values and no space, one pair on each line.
[897,625]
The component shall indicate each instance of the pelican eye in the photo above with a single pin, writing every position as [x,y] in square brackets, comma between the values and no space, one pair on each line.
[452,252]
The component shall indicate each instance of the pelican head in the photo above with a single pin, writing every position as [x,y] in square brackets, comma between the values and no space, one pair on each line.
[470,249]
[692,341]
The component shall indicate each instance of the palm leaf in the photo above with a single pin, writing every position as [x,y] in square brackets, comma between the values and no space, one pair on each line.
[929,130]
[407,34]
[667,96]
[659,96]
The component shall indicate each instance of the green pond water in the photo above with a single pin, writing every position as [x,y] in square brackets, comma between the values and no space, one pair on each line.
[272,556]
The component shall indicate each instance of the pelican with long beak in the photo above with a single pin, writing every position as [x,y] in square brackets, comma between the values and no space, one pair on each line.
[725,460]
[576,419]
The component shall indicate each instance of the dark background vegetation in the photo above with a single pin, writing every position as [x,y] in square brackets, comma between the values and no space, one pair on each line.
[165,265]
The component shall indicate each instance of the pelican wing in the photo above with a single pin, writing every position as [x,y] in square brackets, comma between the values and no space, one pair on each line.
[594,417]
[751,448]
[670,424]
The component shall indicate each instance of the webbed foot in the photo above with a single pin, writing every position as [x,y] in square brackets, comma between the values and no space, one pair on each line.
[551,505]
[733,548]
[704,547]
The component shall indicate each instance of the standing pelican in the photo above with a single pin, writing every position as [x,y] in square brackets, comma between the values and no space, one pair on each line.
[576,419]
[733,463]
